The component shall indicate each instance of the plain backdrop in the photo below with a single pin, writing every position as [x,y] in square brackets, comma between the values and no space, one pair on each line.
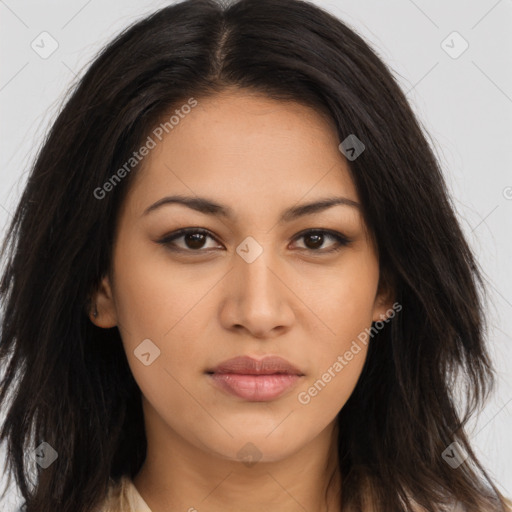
[459,84]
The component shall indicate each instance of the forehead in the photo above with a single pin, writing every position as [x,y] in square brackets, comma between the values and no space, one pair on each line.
[246,148]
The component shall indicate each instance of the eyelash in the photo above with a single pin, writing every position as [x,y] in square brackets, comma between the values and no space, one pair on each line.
[342,240]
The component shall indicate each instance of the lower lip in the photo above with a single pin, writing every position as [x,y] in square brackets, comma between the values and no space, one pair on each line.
[255,388]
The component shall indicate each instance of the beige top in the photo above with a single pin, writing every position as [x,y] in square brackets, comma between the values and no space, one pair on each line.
[124,497]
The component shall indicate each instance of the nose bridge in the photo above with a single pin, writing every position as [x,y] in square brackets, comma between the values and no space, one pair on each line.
[255,268]
[259,301]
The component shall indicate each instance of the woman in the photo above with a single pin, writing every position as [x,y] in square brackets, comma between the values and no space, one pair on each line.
[235,281]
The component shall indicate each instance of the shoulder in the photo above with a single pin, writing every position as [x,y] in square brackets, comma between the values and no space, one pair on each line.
[459,507]
[123,496]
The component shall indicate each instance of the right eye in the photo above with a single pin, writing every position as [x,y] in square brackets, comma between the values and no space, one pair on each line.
[193,240]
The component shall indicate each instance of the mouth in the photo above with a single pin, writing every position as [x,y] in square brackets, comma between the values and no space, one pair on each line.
[255,380]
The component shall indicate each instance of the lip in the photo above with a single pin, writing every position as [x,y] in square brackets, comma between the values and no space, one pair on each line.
[256,380]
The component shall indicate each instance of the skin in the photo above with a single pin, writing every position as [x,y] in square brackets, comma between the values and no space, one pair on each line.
[257,156]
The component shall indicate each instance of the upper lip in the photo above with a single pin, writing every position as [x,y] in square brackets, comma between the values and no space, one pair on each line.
[245,365]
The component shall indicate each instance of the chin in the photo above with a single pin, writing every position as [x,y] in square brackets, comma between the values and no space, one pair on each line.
[253,447]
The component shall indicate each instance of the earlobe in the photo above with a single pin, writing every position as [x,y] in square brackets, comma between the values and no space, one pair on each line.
[382,311]
[384,302]
[102,310]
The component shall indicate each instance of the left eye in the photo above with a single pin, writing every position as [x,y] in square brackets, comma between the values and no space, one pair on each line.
[194,240]
[316,238]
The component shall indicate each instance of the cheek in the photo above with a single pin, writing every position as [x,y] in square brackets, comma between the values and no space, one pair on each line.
[345,303]
[339,352]
[345,308]
[324,395]
[161,303]
[154,298]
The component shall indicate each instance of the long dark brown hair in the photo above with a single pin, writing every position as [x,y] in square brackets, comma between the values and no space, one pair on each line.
[68,383]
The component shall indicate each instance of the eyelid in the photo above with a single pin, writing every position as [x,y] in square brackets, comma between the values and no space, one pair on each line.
[341,239]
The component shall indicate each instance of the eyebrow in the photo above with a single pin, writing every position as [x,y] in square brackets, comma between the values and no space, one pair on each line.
[208,207]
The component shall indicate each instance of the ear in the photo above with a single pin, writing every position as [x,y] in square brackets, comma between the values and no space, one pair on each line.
[102,303]
[384,299]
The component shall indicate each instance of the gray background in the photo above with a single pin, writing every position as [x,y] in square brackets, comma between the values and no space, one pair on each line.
[464,103]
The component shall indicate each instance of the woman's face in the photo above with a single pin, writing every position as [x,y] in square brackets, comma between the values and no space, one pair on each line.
[257,284]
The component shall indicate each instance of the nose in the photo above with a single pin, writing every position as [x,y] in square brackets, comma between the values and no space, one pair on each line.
[257,298]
